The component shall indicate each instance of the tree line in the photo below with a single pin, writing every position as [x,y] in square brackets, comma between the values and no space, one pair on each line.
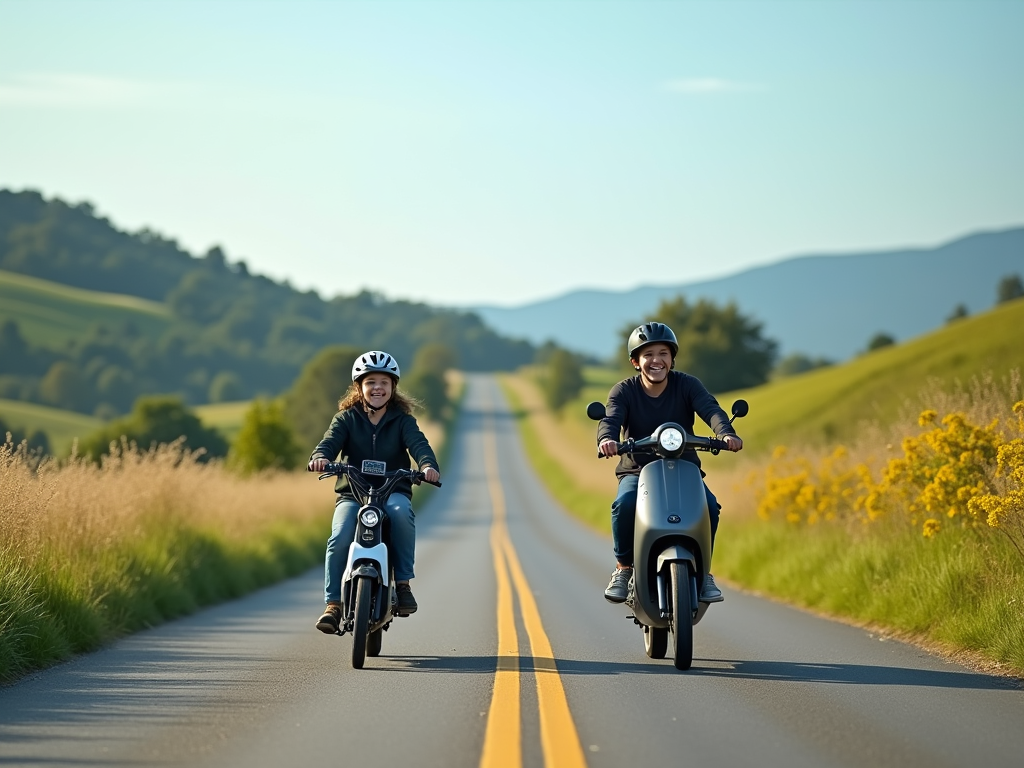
[233,335]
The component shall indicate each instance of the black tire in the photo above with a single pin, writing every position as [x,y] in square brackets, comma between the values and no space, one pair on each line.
[361,621]
[682,616]
[656,642]
[375,641]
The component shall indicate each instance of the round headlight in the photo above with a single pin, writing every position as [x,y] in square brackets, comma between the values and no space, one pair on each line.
[369,517]
[670,439]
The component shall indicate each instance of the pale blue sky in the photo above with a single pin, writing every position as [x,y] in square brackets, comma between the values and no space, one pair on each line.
[501,152]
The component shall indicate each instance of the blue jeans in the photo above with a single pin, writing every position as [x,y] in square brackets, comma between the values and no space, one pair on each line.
[624,517]
[343,531]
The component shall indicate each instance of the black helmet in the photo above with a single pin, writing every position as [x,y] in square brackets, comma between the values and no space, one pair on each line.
[652,333]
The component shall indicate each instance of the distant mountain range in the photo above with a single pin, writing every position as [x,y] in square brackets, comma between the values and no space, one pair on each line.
[820,305]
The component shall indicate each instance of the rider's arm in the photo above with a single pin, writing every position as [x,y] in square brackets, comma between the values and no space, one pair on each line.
[334,439]
[609,430]
[706,406]
[416,443]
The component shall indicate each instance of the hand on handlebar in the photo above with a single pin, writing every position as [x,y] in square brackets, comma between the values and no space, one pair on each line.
[607,448]
[732,443]
[317,465]
[431,475]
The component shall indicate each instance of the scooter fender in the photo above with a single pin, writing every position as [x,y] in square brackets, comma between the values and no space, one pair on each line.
[377,554]
[676,552]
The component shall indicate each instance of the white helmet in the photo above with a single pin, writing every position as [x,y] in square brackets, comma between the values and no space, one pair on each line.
[375,362]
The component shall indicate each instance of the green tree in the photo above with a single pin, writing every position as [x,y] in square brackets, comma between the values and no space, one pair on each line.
[225,388]
[313,399]
[561,379]
[427,380]
[880,340]
[959,313]
[1010,287]
[155,421]
[798,363]
[64,386]
[265,441]
[719,345]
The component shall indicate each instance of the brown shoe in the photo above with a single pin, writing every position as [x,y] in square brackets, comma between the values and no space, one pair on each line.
[331,620]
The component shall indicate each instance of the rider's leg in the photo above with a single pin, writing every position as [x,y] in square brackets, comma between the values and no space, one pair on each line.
[343,530]
[623,523]
[624,519]
[715,510]
[403,548]
[710,593]
[403,535]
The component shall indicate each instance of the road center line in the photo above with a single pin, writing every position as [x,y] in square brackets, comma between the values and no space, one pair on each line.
[559,740]
[502,740]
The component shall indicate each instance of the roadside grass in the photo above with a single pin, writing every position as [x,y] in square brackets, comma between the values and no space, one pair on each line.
[956,592]
[591,507]
[90,553]
[50,314]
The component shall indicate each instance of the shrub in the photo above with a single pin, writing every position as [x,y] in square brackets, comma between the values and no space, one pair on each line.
[265,440]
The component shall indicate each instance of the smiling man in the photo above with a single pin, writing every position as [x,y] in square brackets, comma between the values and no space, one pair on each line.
[636,407]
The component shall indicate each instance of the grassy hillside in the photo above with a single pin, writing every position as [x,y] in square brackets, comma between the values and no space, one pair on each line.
[831,403]
[61,427]
[50,314]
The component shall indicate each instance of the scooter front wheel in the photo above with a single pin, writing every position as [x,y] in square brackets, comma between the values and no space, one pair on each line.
[682,616]
[656,642]
[361,621]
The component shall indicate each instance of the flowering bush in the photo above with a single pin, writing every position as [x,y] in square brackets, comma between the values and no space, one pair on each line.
[955,473]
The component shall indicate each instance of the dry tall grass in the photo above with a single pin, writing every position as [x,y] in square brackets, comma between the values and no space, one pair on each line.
[88,552]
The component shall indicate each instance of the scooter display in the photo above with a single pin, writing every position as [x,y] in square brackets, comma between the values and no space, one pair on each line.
[368,597]
[672,537]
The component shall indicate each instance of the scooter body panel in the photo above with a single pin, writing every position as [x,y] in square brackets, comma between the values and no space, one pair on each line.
[672,523]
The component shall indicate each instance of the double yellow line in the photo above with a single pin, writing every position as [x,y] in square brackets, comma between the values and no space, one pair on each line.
[502,740]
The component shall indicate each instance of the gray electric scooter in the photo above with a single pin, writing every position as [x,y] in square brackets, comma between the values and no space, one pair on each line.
[672,537]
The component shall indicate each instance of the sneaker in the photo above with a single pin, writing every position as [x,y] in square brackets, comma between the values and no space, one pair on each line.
[331,620]
[618,587]
[710,593]
[406,602]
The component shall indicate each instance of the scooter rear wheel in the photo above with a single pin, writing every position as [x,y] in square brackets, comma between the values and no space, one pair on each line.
[682,616]
[361,621]
[656,642]
[374,642]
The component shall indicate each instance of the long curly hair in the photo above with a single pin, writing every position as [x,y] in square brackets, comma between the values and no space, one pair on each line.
[354,397]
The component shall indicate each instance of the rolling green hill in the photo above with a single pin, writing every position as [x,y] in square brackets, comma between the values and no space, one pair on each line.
[61,427]
[829,404]
[50,314]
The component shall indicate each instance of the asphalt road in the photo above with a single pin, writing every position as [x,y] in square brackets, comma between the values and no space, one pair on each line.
[514,659]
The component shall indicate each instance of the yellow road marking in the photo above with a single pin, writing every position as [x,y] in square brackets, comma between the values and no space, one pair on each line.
[559,741]
[502,742]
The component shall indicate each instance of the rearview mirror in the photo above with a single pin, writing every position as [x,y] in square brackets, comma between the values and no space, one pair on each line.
[740,409]
[596,411]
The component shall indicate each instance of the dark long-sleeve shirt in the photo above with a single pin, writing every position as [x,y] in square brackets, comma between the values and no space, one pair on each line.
[633,413]
[352,437]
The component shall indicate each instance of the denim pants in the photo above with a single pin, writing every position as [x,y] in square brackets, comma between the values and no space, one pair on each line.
[343,531]
[624,517]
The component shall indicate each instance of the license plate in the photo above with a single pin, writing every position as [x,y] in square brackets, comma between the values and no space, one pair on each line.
[374,467]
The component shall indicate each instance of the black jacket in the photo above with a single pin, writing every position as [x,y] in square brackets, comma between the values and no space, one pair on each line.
[637,414]
[352,438]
